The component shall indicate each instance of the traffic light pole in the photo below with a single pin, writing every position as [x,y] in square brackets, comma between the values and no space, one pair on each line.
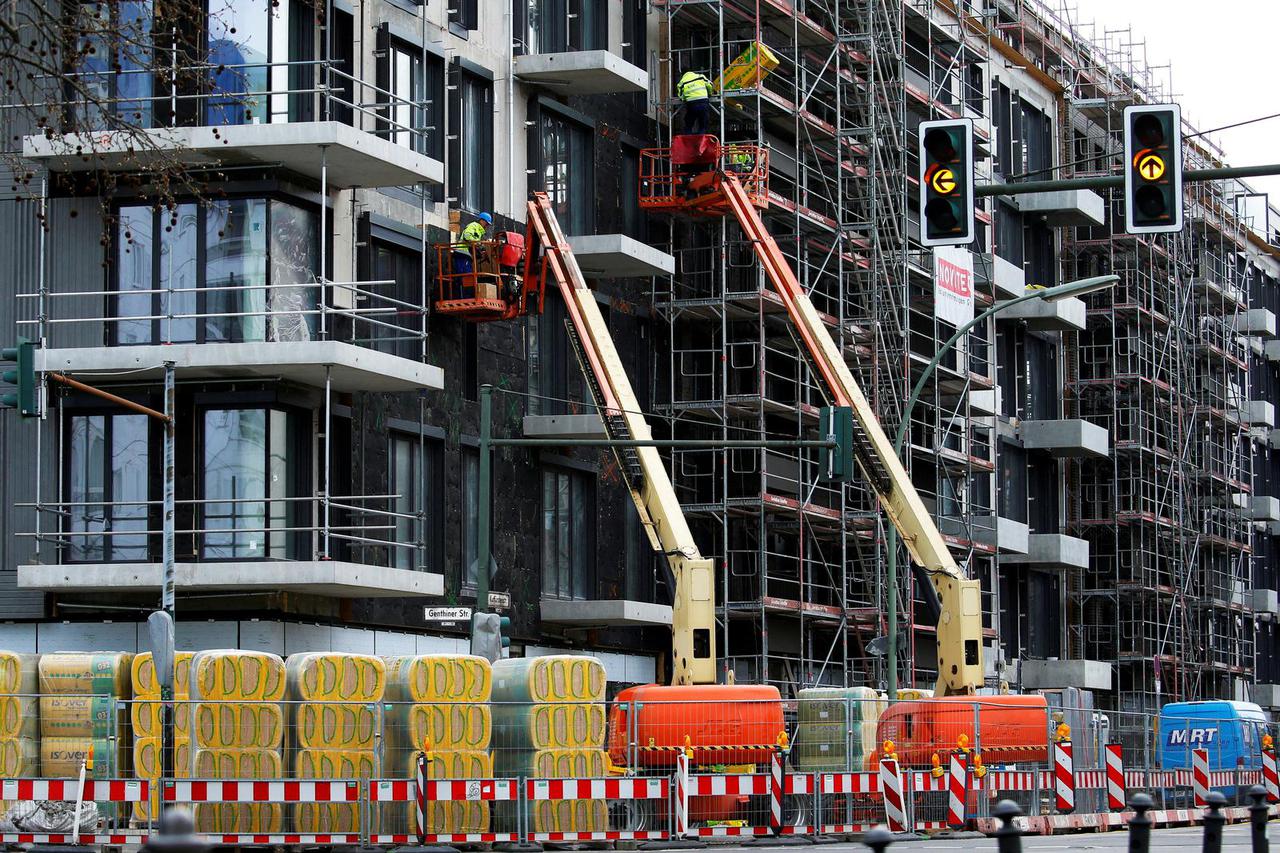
[1117,181]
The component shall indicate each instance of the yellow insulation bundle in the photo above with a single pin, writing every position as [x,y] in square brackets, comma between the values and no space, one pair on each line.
[18,673]
[552,763]
[18,685]
[146,718]
[337,725]
[752,66]
[230,674]
[80,716]
[142,674]
[549,726]
[237,725]
[85,673]
[336,677]
[239,818]
[440,726]
[236,764]
[438,678]
[569,816]
[147,762]
[332,764]
[18,717]
[19,758]
[457,816]
[552,678]
[61,757]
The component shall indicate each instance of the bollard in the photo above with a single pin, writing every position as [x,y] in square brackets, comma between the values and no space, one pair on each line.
[1213,822]
[878,839]
[1259,811]
[1140,824]
[1008,836]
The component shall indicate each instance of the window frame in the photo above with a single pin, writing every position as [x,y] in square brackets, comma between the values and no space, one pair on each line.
[427,457]
[575,207]
[150,515]
[471,148]
[580,574]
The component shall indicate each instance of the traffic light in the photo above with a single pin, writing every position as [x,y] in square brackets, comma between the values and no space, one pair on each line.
[836,422]
[23,375]
[946,182]
[1153,169]
[490,635]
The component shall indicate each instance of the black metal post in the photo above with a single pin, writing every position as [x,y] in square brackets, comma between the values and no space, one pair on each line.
[1259,811]
[878,839]
[1140,824]
[1008,836]
[1213,822]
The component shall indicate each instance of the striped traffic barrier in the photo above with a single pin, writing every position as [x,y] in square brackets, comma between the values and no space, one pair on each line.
[1116,793]
[1200,777]
[776,787]
[260,791]
[442,790]
[67,790]
[420,797]
[957,789]
[611,790]
[895,808]
[1270,780]
[682,794]
[1064,777]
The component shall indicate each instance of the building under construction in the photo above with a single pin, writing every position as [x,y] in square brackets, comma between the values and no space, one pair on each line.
[1103,465]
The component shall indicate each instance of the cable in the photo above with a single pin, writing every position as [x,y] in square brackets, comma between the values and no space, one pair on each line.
[1229,126]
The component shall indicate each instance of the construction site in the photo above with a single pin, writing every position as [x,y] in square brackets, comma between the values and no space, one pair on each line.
[480,419]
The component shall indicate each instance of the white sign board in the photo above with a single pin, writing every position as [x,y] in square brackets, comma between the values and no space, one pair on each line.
[499,601]
[446,614]
[953,284]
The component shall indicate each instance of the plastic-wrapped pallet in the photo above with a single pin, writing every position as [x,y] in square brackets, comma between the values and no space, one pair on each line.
[81,696]
[549,717]
[457,816]
[237,732]
[145,715]
[836,727]
[337,700]
[438,678]
[237,764]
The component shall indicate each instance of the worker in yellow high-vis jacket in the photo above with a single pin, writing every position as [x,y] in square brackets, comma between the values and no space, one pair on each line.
[694,90]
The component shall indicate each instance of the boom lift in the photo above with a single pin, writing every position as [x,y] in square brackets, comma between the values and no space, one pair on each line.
[698,176]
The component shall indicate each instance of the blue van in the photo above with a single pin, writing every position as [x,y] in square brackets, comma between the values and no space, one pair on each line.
[1231,732]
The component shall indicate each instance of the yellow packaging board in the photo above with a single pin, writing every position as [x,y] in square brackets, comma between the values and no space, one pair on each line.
[332,765]
[752,66]
[555,816]
[551,763]
[237,725]
[80,717]
[239,818]
[19,716]
[236,764]
[18,673]
[438,678]
[19,758]
[61,757]
[452,817]
[85,673]
[336,677]
[142,674]
[231,674]
[145,717]
[551,678]
[338,725]
[439,726]
[147,765]
[549,726]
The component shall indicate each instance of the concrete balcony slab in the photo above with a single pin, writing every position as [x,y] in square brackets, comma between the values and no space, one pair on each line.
[1064,207]
[354,158]
[1012,537]
[1256,321]
[582,72]
[351,368]
[1003,277]
[1265,508]
[1052,550]
[1260,413]
[1271,350]
[619,256]
[610,613]
[985,402]
[1266,695]
[1057,674]
[1065,315]
[333,578]
[1070,437]
[1266,601]
[567,427]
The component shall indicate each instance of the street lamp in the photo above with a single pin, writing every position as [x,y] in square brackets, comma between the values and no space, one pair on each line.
[1049,294]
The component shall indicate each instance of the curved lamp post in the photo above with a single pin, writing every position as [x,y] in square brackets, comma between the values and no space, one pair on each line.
[1049,294]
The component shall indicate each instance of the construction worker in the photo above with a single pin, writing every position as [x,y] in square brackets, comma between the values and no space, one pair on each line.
[464,250]
[694,90]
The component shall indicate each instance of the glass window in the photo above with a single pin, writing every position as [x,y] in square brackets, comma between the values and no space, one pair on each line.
[246,471]
[470,517]
[294,261]
[239,50]
[236,270]
[114,82]
[473,122]
[413,480]
[404,267]
[567,171]
[107,492]
[134,265]
[568,516]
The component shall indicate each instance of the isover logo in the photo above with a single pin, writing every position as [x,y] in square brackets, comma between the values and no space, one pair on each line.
[1196,737]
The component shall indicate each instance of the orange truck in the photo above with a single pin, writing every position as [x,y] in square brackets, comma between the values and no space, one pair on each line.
[1009,729]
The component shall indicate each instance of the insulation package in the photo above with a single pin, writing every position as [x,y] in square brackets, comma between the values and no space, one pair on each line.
[332,764]
[61,757]
[98,717]
[551,678]
[147,762]
[234,675]
[549,726]
[237,764]
[237,725]
[554,816]
[438,678]
[836,727]
[439,727]
[336,677]
[18,687]
[81,705]
[142,675]
[20,758]
[337,725]
[457,816]
[85,674]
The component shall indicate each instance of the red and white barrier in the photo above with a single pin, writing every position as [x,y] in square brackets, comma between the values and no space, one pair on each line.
[682,795]
[957,789]
[895,804]
[1200,777]
[1270,780]
[1064,777]
[1116,793]
[776,783]
[260,791]
[95,790]
[751,785]
[442,790]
